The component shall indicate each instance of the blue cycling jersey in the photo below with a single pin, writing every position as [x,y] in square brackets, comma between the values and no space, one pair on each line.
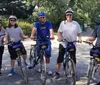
[43,29]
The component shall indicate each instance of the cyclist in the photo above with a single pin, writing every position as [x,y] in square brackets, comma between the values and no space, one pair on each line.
[69,30]
[14,34]
[96,35]
[2,31]
[44,28]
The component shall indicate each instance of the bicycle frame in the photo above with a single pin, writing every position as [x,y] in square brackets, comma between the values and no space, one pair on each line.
[67,57]
[38,44]
[23,69]
[68,60]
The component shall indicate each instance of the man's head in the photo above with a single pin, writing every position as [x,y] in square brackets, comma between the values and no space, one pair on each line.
[42,17]
[69,14]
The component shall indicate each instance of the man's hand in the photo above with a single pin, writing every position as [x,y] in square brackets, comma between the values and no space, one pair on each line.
[52,37]
[25,36]
[87,40]
[59,39]
[32,37]
[80,40]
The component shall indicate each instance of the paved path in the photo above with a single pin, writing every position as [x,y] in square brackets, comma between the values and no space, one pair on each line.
[82,64]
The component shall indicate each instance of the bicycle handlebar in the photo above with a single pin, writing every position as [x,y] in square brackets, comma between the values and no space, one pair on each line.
[2,35]
[69,42]
[42,39]
[90,43]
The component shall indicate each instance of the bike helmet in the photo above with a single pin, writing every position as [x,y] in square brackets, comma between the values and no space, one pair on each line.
[41,14]
[13,17]
[69,10]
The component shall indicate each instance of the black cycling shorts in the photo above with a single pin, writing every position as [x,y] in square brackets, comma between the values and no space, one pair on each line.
[62,53]
[13,54]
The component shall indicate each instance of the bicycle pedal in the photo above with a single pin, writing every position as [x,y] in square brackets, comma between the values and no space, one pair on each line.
[30,67]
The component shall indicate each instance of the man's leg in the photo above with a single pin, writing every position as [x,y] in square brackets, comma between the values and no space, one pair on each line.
[47,56]
[13,56]
[23,51]
[59,60]
[73,55]
[1,54]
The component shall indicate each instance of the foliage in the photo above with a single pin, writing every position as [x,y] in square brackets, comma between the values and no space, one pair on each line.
[25,26]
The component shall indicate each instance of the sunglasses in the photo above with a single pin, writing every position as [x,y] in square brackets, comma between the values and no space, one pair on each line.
[68,14]
[42,17]
[13,20]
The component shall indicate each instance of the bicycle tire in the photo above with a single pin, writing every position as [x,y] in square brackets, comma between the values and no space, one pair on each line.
[69,69]
[43,69]
[90,72]
[32,58]
[23,68]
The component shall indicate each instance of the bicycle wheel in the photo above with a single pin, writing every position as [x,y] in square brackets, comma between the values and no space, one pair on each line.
[43,69]
[90,71]
[32,58]
[70,73]
[23,69]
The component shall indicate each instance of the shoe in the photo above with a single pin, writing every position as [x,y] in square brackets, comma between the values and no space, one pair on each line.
[39,70]
[56,75]
[49,72]
[11,72]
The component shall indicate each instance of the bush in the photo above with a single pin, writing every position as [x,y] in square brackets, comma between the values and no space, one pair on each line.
[26,27]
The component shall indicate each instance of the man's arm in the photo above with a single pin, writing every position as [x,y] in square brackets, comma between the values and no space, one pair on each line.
[51,34]
[91,39]
[33,33]
[79,37]
[23,36]
[94,36]
[59,35]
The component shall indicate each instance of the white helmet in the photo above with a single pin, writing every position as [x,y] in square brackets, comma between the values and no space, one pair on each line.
[69,10]
[13,17]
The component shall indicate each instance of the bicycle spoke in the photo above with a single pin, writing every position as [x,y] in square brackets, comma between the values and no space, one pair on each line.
[43,70]
[33,57]
[23,69]
[90,71]
[70,72]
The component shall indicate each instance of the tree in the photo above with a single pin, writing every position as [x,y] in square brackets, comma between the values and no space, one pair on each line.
[16,7]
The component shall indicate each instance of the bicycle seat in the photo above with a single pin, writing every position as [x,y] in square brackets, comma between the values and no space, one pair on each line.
[44,46]
[33,45]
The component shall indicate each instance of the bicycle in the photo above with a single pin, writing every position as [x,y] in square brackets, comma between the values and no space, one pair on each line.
[20,60]
[34,59]
[68,63]
[94,61]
